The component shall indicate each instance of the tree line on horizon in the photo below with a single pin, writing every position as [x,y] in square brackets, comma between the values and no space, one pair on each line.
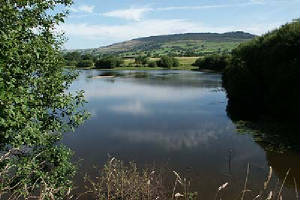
[109,61]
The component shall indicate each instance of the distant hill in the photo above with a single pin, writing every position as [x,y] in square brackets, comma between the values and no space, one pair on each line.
[177,44]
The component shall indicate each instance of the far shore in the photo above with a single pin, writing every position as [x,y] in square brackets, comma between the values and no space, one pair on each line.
[193,68]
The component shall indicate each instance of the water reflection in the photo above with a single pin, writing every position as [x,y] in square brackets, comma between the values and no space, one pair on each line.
[135,108]
[172,119]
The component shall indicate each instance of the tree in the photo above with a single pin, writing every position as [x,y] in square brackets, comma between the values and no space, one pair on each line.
[168,62]
[141,60]
[85,63]
[262,78]
[212,62]
[71,58]
[152,64]
[35,107]
[108,62]
[87,57]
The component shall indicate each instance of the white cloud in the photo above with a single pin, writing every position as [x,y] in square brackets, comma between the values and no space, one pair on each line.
[137,29]
[155,27]
[127,90]
[73,9]
[257,1]
[135,108]
[177,139]
[135,14]
[83,8]
[251,2]
[86,8]
[191,7]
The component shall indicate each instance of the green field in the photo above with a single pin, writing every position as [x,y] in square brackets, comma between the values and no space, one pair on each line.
[190,47]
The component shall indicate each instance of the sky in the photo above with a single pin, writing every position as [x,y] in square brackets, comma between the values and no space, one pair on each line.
[95,23]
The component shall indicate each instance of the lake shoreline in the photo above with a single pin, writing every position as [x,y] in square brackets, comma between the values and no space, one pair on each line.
[189,68]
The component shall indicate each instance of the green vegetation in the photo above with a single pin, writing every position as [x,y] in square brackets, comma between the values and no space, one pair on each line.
[179,45]
[262,78]
[167,62]
[152,64]
[269,134]
[212,62]
[35,109]
[108,62]
[85,63]
[142,60]
[139,63]
[72,58]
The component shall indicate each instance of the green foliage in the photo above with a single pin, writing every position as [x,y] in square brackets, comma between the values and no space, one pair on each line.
[85,63]
[71,58]
[141,60]
[263,76]
[108,62]
[35,109]
[152,64]
[87,57]
[212,62]
[168,62]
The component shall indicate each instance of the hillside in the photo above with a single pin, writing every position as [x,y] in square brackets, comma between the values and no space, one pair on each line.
[187,44]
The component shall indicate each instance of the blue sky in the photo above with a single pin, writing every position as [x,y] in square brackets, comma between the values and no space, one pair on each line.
[95,23]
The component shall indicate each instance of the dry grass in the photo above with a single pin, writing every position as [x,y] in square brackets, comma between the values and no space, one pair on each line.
[117,181]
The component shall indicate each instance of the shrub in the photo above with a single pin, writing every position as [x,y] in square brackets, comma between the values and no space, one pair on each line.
[87,57]
[85,63]
[72,56]
[142,60]
[71,63]
[168,62]
[108,62]
[212,62]
[152,64]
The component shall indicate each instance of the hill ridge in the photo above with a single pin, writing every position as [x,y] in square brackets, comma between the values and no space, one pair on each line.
[177,44]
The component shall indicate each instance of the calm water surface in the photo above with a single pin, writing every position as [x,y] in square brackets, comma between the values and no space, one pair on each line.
[174,120]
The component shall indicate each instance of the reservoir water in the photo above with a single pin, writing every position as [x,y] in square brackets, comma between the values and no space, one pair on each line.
[174,120]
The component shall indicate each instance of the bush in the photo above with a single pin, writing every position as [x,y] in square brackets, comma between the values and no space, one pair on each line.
[108,62]
[72,56]
[152,64]
[85,63]
[142,60]
[212,62]
[168,62]
[71,63]
[86,57]
[263,75]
